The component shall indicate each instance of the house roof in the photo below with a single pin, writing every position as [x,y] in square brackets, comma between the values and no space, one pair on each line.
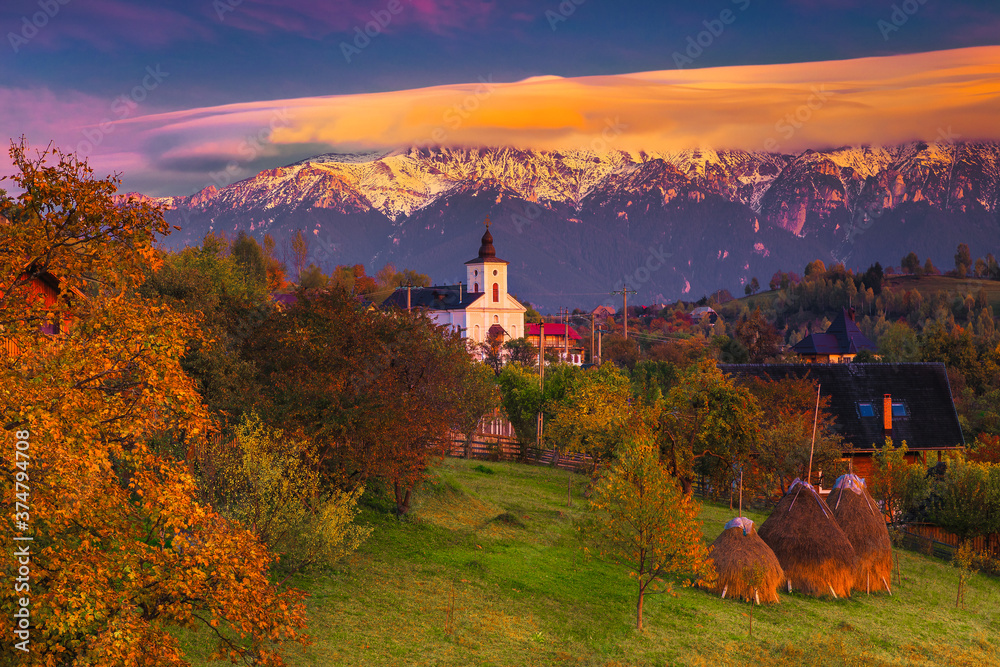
[553,329]
[437,297]
[931,421]
[842,337]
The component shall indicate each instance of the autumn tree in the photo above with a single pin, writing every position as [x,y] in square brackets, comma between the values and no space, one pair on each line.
[123,551]
[373,388]
[595,415]
[479,396]
[312,277]
[645,522]
[300,251]
[277,273]
[785,445]
[760,339]
[268,480]
[705,415]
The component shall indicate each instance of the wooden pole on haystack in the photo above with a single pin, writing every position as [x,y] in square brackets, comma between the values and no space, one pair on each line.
[812,447]
[741,493]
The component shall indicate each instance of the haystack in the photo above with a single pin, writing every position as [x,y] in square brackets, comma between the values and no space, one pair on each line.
[859,517]
[814,552]
[740,556]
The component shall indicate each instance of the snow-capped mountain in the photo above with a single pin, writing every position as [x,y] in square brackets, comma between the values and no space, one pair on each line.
[575,223]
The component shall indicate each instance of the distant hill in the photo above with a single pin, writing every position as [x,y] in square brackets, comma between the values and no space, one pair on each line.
[575,225]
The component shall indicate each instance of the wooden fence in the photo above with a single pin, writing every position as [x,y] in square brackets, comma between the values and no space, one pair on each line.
[936,541]
[496,441]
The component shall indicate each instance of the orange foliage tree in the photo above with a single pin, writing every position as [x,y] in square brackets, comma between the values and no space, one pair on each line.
[646,522]
[121,549]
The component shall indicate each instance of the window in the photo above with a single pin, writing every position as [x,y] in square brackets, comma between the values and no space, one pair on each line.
[476,334]
[494,271]
[899,410]
[866,409]
[475,288]
[496,319]
[496,293]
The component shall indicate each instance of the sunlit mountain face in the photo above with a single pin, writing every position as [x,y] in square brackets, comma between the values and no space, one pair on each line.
[672,224]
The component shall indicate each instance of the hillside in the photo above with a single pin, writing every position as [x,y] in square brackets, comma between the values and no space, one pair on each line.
[490,571]
[672,225]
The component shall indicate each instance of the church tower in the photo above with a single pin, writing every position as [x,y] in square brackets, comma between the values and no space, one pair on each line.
[487,273]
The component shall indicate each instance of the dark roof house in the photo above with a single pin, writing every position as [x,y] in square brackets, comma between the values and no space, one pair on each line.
[917,397]
[841,342]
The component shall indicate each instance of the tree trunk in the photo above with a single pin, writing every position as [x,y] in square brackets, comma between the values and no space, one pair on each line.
[686,485]
[468,445]
[638,609]
[402,499]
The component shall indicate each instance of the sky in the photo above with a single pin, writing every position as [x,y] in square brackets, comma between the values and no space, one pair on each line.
[170,94]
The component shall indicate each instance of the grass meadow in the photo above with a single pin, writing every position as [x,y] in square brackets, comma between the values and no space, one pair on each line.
[489,570]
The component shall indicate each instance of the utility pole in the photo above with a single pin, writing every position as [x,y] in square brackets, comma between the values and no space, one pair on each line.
[541,379]
[625,291]
[408,286]
[600,338]
[592,318]
[565,313]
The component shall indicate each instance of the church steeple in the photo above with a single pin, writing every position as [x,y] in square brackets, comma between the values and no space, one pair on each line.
[487,272]
[486,250]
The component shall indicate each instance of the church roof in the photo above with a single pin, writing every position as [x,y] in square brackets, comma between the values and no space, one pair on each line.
[487,253]
[843,337]
[437,297]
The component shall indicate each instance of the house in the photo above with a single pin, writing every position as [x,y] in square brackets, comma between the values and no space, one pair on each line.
[839,344]
[46,287]
[477,309]
[559,338]
[870,402]
[705,311]
[603,312]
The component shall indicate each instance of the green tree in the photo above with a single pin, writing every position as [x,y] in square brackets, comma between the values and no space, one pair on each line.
[313,277]
[705,415]
[479,395]
[595,414]
[758,337]
[898,485]
[963,260]
[966,501]
[249,258]
[300,251]
[644,522]
[899,344]
[910,264]
[269,482]
[521,351]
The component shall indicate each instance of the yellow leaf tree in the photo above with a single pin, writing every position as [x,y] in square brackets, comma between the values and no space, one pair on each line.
[646,522]
[120,548]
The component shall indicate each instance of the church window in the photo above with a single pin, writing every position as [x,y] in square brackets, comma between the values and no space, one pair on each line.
[476,335]
[494,271]
[496,319]
[496,293]
[475,288]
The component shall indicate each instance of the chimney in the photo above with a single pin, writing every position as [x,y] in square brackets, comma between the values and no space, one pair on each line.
[460,291]
[887,414]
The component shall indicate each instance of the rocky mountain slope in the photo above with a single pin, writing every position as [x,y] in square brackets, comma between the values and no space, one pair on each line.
[574,225]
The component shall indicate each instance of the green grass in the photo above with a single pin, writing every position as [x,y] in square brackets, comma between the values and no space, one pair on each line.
[489,570]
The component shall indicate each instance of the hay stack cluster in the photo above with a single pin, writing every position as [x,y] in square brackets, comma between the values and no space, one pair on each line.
[859,517]
[815,553]
[746,567]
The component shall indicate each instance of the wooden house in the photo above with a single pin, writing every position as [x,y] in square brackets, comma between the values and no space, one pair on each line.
[872,402]
[559,338]
[840,343]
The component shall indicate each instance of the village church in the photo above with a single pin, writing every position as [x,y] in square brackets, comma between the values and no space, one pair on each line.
[479,307]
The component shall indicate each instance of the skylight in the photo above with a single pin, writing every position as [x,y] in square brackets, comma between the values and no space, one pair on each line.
[866,409]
